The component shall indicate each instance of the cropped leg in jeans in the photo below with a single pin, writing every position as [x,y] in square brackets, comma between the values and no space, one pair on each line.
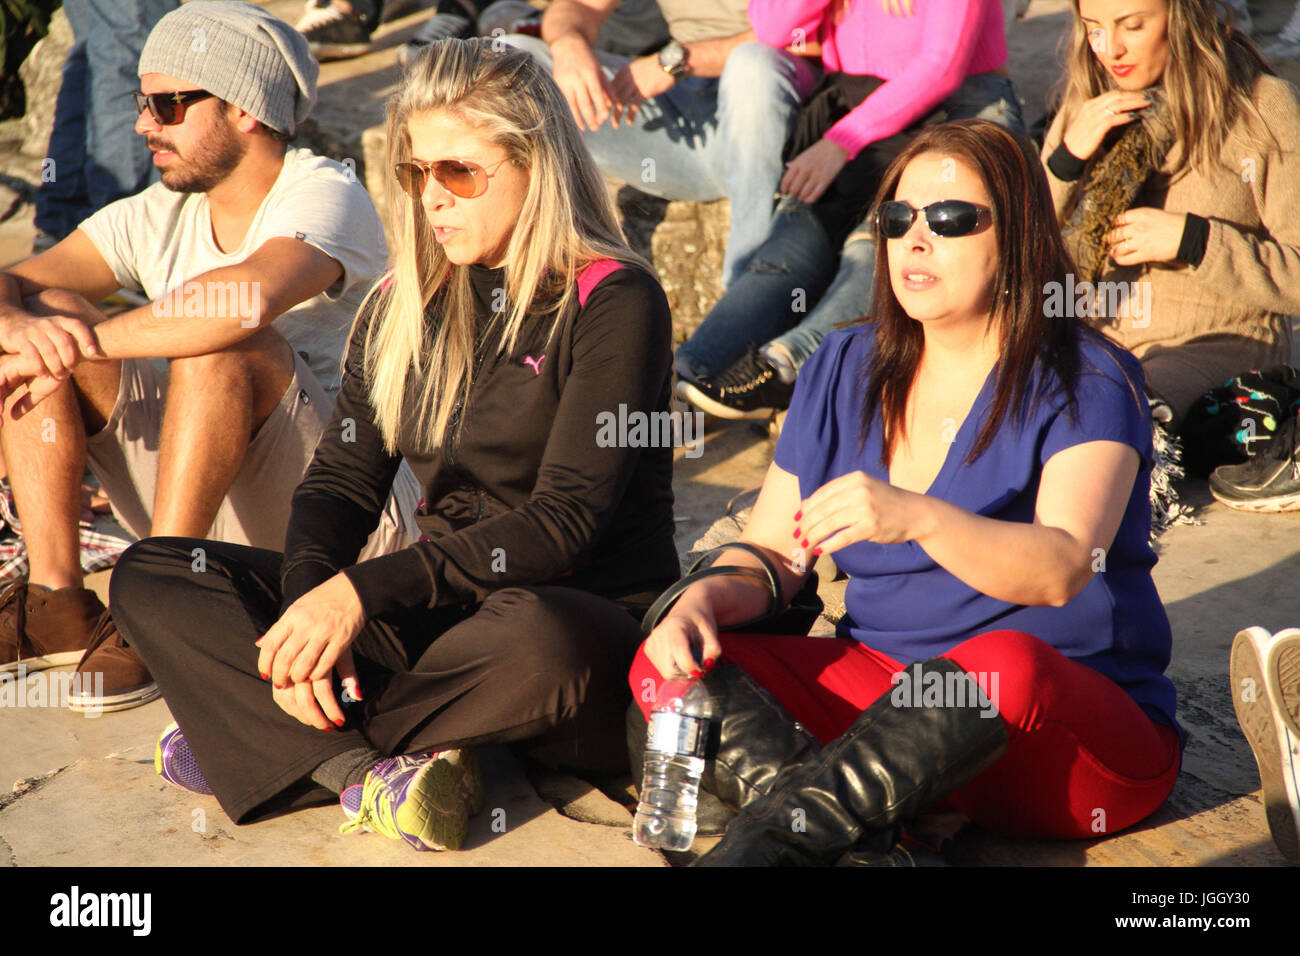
[707,139]
[98,157]
[1083,758]
[539,662]
[760,311]
[784,277]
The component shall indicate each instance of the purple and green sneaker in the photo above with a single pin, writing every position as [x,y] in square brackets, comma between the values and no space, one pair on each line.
[175,762]
[424,799]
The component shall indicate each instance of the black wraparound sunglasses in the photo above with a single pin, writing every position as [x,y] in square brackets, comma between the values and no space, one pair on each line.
[167,109]
[949,218]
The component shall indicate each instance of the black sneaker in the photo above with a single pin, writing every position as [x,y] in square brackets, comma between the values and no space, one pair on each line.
[1269,482]
[750,387]
[333,34]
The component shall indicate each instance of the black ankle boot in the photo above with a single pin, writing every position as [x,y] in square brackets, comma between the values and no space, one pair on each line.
[895,761]
[751,738]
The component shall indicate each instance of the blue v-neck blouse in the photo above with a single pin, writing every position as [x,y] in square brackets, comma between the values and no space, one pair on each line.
[901,602]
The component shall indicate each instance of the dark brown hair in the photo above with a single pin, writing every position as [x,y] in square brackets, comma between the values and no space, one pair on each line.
[1031,255]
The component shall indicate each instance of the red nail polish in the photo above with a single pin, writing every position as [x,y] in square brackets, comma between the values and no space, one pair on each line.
[803,543]
[338,723]
[817,551]
[796,533]
[708,663]
[697,673]
[798,514]
[263,676]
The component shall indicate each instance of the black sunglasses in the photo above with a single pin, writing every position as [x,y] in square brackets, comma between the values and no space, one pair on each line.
[167,109]
[949,218]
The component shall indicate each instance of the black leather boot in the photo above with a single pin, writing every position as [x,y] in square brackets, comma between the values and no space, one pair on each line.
[751,739]
[895,761]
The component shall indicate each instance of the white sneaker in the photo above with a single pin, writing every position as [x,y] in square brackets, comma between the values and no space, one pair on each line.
[1261,716]
[1282,671]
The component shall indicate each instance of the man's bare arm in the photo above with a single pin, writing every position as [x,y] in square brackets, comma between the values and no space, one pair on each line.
[73,264]
[215,310]
[708,57]
[53,343]
[582,17]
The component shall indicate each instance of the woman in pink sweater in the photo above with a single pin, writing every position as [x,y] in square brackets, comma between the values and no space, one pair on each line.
[890,71]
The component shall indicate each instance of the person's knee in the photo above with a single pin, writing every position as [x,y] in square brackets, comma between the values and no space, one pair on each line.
[755,68]
[536,48]
[756,98]
[259,367]
[1012,667]
[133,585]
[55,302]
[860,248]
[544,639]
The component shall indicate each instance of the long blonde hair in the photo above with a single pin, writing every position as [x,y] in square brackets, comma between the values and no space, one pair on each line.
[421,341]
[1208,80]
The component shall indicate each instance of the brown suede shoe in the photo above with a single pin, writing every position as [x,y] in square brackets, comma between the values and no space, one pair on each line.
[40,628]
[111,675]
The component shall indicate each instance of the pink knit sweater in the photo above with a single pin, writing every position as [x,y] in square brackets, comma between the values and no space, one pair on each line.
[923,57]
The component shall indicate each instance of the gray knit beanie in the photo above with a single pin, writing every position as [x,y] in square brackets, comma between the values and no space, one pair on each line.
[240,53]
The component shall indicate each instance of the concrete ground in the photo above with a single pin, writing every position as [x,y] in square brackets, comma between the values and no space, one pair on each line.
[93,777]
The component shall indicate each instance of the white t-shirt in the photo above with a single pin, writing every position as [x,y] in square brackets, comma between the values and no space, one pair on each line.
[158,239]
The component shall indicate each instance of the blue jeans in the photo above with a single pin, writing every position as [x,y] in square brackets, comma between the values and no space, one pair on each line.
[706,139]
[95,155]
[769,302]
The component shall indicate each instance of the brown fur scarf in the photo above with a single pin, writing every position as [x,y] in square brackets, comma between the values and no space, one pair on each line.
[1112,181]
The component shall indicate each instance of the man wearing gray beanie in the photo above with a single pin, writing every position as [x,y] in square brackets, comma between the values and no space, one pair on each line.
[255,258]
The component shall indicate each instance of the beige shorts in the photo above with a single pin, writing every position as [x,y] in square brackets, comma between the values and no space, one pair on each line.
[124,457]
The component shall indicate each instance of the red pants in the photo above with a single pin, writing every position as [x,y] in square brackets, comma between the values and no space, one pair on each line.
[1083,759]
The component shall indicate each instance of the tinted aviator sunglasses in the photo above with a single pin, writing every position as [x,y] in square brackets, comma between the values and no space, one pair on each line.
[949,218]
[460,178]
[168,109]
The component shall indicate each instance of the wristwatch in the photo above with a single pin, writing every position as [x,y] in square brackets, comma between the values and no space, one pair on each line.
[673,59]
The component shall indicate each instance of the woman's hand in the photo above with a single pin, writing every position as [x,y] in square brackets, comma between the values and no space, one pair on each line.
[809,174]
[856,507]
[312,635]
[312,702]
[690,624]
[1144,234]
[1097,117]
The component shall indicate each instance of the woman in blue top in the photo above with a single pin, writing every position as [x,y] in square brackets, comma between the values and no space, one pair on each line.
[980,468]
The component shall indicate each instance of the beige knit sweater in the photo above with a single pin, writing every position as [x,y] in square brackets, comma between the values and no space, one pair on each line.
[1230,313]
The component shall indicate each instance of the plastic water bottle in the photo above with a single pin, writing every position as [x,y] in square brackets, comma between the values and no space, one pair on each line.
[674,761]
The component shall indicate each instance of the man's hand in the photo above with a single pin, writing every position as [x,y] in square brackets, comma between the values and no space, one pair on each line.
[640,80]
[17,371]
[580,78]
[52,331]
